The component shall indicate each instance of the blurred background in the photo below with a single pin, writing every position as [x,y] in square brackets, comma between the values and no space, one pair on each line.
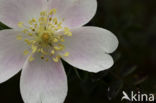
[134,23]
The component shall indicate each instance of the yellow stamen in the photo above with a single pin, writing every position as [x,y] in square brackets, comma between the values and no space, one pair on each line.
[43,52]
[30,34]
[42,36]
[25,31]
[31,59]
[41,19]
[32,21]
[66,54]
[26,52]
[20,24]
[52,11]
[28,41]
[34,48]
[62,40]
[55,40]
[57,48]
[55,21]
[61,46]
[43,13]
[52,52]
[56,59]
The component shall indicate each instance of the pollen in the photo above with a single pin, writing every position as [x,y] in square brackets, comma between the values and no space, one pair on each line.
[26,52]
[55,40]
[20,24]
[56,59]
[31,59]
[52,52]
[42,36]
[52,11]
[66,54]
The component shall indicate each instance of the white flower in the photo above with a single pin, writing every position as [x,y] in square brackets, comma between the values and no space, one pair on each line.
[47,31]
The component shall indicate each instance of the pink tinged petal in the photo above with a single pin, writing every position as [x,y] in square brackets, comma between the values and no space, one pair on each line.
[74,12]
[89,48]
[14,11]
[43,82]
[11,54]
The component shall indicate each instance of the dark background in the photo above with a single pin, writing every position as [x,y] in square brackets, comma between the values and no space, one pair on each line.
[134,23]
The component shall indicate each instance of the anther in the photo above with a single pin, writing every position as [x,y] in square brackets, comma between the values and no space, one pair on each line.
[66,54]
[52,11]
[31,59]
[43,13]
[52,52]
[56,59]
[20,24]
[26,52]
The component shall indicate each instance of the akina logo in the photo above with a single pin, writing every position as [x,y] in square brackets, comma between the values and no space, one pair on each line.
[138,97]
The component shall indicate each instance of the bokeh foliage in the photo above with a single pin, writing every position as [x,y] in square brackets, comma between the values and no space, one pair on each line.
[134,23]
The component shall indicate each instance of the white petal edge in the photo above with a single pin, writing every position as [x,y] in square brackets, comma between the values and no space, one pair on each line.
[14,11]
[43,82]
[89,48]
[11,54]
[75,13]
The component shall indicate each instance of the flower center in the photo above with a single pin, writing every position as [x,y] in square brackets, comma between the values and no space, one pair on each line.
[45,36]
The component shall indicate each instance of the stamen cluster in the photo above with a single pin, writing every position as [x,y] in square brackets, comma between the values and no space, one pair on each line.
[42,36]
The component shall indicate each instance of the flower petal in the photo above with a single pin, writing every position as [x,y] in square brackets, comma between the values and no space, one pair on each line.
[14,11]
[88,48]
[74,12]
[43,82]
[11,54]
